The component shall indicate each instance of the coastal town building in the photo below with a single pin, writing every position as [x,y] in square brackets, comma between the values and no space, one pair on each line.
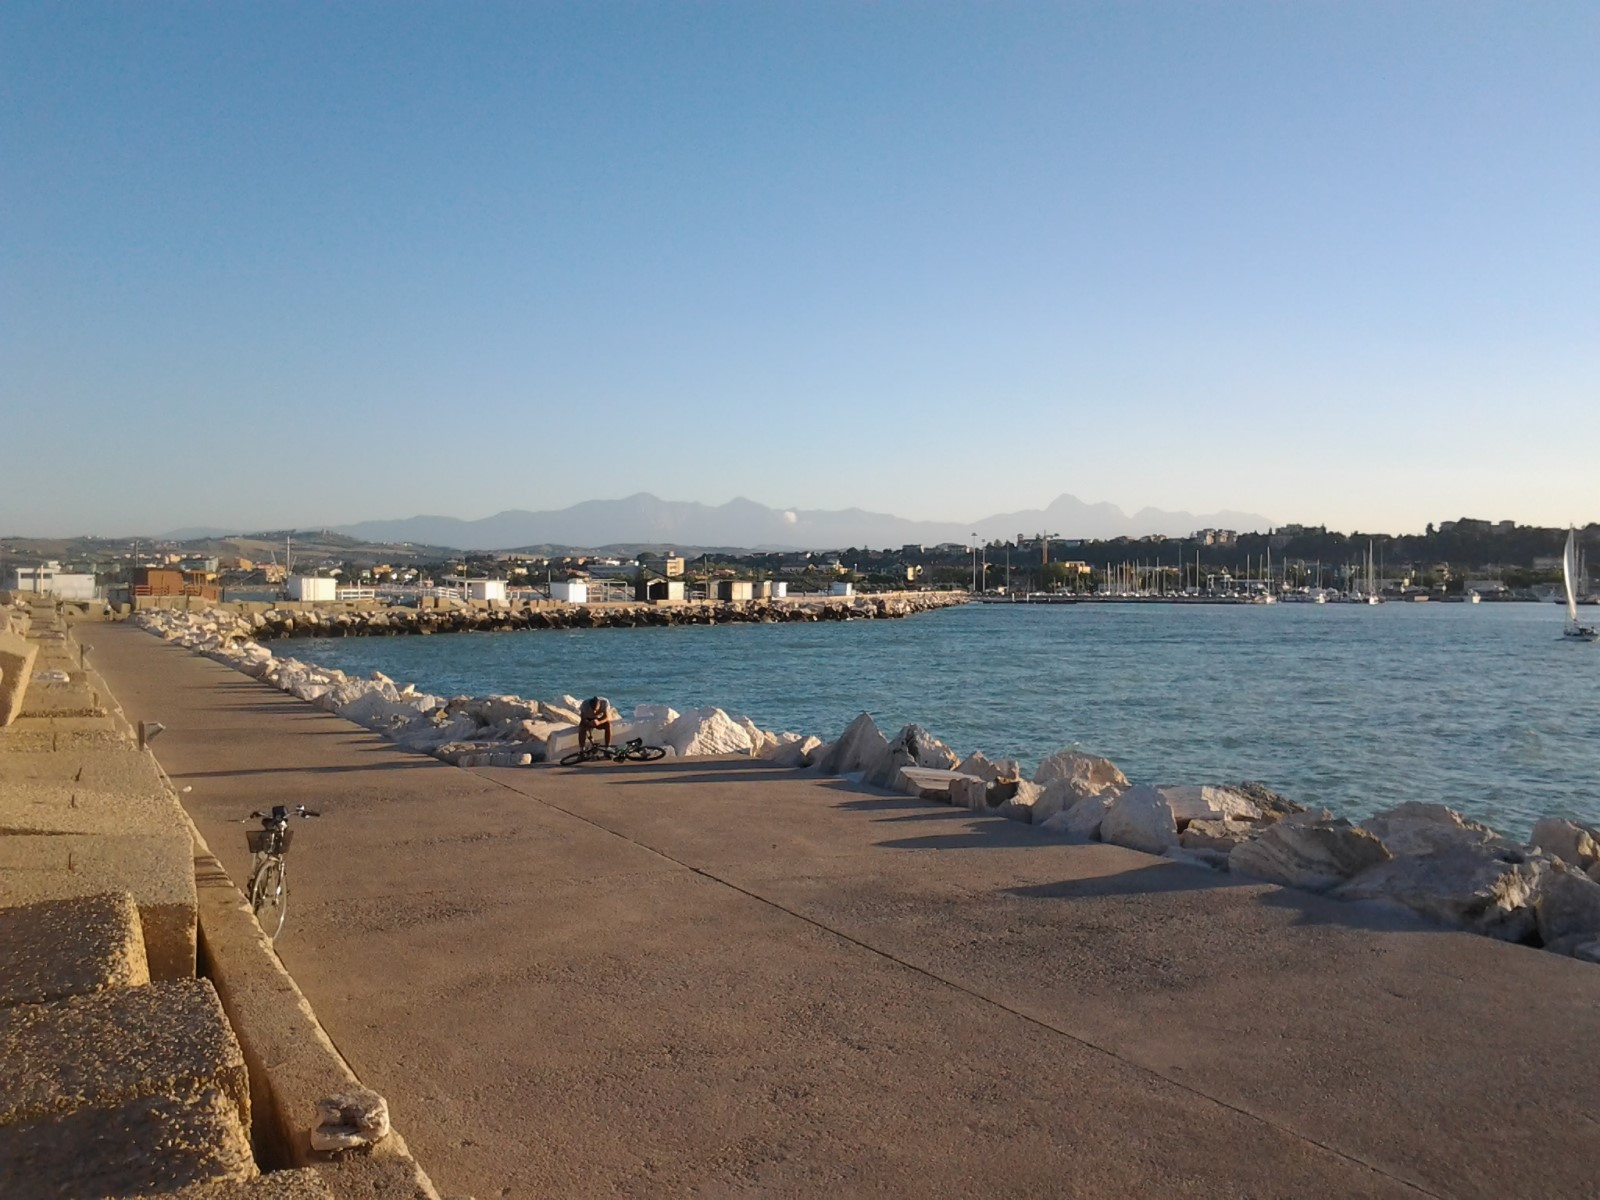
[49,579]
[168,581]
[659,590]
[572,591]
[313,588]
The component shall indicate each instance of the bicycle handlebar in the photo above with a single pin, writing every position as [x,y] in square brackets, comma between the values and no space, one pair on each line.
[282,812]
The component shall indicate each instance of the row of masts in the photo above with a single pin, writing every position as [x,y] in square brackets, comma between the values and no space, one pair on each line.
[1159,579]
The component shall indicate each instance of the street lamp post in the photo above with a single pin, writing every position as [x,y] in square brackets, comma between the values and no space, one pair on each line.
[974,562]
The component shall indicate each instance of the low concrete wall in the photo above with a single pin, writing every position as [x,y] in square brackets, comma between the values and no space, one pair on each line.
[291,1060]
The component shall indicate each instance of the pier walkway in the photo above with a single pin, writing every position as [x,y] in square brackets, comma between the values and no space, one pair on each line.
[716,978]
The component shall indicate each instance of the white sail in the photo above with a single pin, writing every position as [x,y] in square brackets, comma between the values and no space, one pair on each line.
[1569,574]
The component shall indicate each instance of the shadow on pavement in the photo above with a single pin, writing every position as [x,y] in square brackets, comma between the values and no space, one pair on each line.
[1166,877]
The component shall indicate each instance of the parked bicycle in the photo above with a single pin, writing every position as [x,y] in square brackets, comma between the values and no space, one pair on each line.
[269,878]
[633,750]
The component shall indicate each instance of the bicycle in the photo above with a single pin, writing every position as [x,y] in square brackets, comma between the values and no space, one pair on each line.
[633,750]
[269,877]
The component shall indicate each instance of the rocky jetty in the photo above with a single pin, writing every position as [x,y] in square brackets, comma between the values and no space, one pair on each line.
[399,621]
[468,731]
[1426,859]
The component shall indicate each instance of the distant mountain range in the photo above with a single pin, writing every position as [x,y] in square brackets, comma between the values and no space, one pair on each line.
[646,519]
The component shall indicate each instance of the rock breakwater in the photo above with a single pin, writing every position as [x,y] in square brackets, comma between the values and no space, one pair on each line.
[399,621]
[1424,858]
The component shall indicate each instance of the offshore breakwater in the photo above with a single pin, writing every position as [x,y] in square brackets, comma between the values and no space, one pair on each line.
[1425,858]
[399,621]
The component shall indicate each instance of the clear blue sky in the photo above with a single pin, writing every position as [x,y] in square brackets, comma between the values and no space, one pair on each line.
[276,264]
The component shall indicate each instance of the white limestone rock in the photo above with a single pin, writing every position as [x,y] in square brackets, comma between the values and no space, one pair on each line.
[777,742]
[1415,828]
[795,752]
[1483,889]
[991,770]
[1020,804]
[815,759]
[1308,852]
[1069,777]
[1092,775]
[759,738]
[376,711]
[1081,822]
[1574,844]
[1567,905]
[426,735]
[1140,819]
[350,1120]
[1063,793]
[1204,803]
[970,791]
[705,731]
[1220,836]
[560,712]
[913,746]
[860,744]
[657,714]
[1273,806]
[492,710]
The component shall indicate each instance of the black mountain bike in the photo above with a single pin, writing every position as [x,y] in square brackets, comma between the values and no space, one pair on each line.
[269,877]
[629,751]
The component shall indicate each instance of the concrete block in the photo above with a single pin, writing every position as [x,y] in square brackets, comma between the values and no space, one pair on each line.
[70,699]
[103,1051]
[150,1144]
[65,806]
[16,668]
[927,783]
[157,869]
[118,767]
[102,722]
[61,948]
[48,735]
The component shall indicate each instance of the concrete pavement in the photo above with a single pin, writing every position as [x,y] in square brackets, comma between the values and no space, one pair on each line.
[715,978]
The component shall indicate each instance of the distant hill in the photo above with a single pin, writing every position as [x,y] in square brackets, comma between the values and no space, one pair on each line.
[194,533]
[644,518]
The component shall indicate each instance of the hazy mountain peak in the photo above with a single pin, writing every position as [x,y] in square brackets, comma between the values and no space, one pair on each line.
[643,517]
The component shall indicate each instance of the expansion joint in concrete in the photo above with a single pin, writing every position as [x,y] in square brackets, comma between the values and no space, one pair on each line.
[984,998]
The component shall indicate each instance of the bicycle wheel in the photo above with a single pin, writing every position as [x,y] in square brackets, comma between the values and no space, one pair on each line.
[573,757]
[646,753]
[269,896]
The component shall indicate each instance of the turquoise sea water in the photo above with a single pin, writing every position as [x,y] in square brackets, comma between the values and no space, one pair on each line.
[1483,707]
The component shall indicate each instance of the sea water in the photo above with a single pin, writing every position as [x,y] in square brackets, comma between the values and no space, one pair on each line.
[1481,707]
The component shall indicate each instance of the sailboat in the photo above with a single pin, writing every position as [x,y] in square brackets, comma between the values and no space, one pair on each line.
[1373,595]
[1569,576]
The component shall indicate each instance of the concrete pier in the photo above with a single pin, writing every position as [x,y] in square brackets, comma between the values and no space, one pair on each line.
[719,978]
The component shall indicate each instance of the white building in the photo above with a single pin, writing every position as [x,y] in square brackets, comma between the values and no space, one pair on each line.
[486,589]
[842,588]
[313,588]
[50,580]
[573,591]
